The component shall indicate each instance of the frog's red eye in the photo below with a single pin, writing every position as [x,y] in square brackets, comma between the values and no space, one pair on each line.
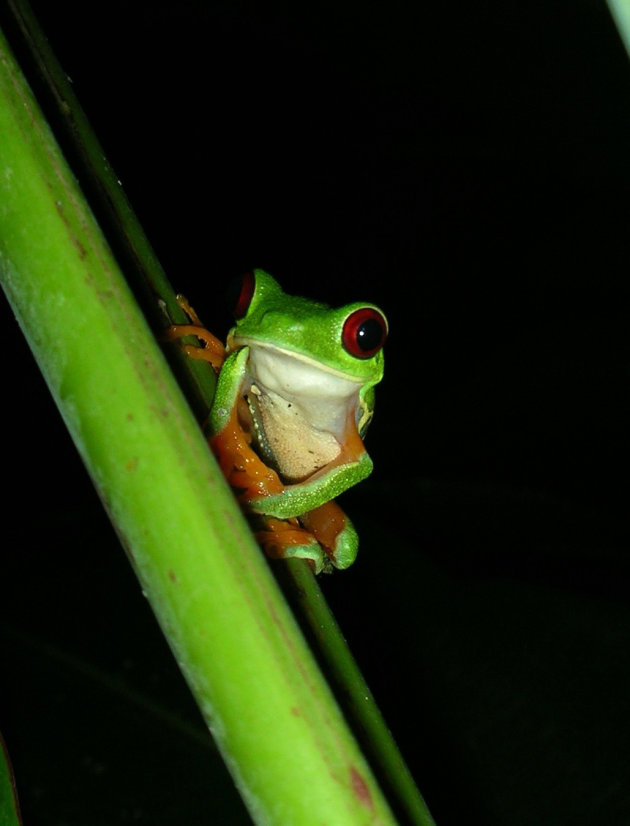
[364,332]
[241,292]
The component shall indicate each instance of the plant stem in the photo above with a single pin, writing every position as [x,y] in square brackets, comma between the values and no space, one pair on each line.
[272,715]
[620,10]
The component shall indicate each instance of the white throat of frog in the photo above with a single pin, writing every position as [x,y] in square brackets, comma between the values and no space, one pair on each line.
[300,410]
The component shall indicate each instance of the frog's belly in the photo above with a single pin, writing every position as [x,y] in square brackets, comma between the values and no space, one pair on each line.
[298,449]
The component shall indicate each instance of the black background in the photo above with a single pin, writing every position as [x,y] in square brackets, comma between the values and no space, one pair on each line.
[464,166]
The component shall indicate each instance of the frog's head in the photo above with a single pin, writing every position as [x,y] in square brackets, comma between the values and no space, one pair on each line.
[345,341]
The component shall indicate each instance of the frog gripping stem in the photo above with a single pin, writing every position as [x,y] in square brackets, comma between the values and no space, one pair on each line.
[294,397]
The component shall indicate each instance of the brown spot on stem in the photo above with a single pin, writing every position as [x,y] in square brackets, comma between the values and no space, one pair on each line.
[80,248]
[74,240]
[360,788]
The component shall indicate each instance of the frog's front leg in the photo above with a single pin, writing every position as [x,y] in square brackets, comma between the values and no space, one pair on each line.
[211,349]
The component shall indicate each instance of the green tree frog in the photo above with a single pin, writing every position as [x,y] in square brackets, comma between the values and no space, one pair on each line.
[294,397]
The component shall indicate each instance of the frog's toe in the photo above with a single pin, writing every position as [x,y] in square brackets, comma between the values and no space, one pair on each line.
[282,540]
[311,552]
[346,546]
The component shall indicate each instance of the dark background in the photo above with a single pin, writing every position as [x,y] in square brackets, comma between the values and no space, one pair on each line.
[465,166]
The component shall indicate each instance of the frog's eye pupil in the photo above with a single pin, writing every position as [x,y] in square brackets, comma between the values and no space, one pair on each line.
[364,332]
[240,294]
[369,335]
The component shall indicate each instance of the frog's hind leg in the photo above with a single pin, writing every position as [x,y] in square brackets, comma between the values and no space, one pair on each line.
[334,532]
[285,539]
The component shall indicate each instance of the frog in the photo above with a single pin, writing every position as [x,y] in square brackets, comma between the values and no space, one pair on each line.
[293,401]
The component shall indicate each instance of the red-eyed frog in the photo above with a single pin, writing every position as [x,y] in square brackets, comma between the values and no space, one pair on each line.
[294,397]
